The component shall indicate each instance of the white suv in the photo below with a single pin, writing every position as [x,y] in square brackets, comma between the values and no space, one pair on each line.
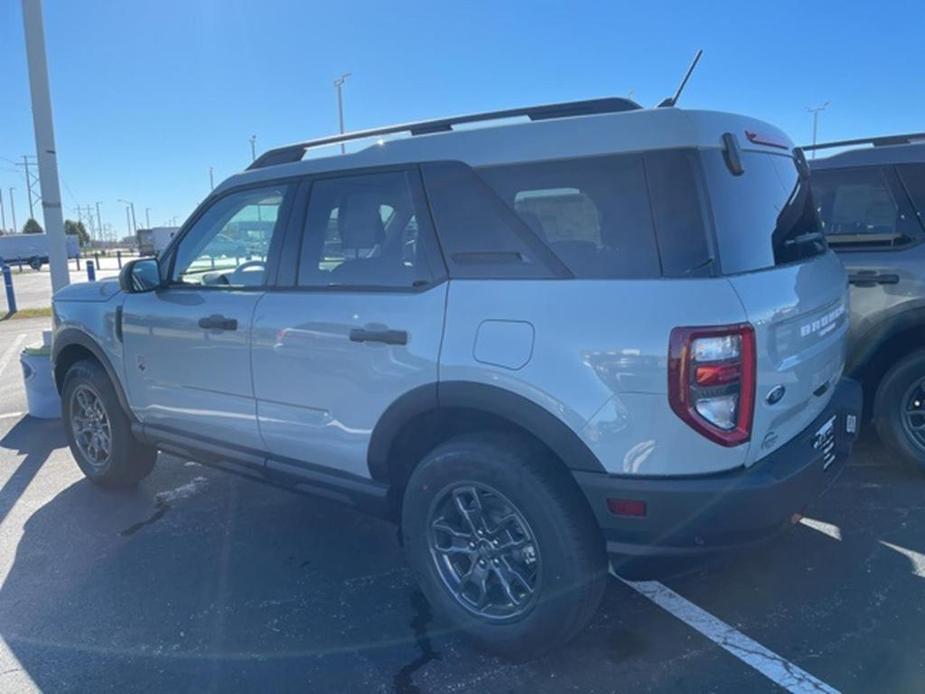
[603,331]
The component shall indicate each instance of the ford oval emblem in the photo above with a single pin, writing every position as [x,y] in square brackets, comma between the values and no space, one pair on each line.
[775,395]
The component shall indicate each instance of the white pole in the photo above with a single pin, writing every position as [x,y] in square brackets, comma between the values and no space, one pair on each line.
[45,143]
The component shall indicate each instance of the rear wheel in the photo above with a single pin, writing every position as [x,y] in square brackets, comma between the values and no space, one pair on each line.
[503,543]
[899,409]
[99,431]
[35,263]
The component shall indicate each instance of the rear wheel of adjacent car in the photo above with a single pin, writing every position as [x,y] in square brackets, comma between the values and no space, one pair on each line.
[899,409]
[503,543]
[99,431]
[35,263]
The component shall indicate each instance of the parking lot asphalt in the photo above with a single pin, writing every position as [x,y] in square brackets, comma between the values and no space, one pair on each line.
[33,287]
[200,580]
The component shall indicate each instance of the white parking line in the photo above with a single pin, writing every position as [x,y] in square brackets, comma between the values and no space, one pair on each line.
[10,351]
[780,671]
[10,415]
[829,529]
[917,558]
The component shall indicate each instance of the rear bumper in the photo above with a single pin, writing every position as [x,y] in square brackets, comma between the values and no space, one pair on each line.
[694,516]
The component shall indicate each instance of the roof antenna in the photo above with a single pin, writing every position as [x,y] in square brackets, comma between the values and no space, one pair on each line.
[672,100]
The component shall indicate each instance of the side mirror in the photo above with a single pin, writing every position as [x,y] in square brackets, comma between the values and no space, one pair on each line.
[140,275]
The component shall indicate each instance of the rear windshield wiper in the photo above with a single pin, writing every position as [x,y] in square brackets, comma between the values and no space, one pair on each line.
[805,238]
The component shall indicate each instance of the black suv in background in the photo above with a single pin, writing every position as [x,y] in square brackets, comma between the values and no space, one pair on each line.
[871,201]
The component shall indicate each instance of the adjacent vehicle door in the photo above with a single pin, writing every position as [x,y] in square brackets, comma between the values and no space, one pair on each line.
[868,218]
[187,345]
[359,325]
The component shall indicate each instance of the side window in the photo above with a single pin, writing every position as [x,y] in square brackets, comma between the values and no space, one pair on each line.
[363,230]
[229,244]
[593,213]
[913,178]
[856,206]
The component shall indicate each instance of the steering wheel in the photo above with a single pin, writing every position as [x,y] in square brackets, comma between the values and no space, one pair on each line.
[237,277]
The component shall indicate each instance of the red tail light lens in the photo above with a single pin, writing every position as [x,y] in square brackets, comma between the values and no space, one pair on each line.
[711,380]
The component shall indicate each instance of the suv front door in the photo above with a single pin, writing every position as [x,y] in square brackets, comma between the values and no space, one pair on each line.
[359,325]
[187,345]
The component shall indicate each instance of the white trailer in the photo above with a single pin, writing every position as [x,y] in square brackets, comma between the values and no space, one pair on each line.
[32,249]
[153,241]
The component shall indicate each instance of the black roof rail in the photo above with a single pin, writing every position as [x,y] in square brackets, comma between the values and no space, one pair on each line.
[295,152]
[882,141]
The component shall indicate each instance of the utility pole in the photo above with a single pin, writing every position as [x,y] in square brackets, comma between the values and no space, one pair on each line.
[30,181]
[211,180]
[45,143]
[99,222]
[147,218]
[2,215]
[339,85]
[13,209]
[816,110]
[253,147]
[130,215]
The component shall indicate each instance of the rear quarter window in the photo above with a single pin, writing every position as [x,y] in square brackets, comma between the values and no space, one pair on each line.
[593,213]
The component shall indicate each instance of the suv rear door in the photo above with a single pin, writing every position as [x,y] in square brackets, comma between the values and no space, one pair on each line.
[869,219]
[355,322]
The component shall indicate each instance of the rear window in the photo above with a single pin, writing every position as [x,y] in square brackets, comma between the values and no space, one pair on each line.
[913,178]
[592,213]
[764,217]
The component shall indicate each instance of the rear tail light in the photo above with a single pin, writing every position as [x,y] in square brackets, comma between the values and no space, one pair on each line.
[711,380]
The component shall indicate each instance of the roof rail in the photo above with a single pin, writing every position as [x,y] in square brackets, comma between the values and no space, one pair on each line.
[881,141]
[295,152]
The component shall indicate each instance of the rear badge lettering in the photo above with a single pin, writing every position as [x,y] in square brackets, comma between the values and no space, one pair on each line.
[824,324]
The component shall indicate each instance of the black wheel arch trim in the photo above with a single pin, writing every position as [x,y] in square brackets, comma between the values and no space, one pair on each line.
[493,400]
[898,320]
[69,337]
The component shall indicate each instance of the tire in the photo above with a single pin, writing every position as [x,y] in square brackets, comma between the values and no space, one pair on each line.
[128,461]
[35,263]
[900,389]
[568,573]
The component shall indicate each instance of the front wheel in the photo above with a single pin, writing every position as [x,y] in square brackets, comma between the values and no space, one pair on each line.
[99,431]
[899,409]
[503,543]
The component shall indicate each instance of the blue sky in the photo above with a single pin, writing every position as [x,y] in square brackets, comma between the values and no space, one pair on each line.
[148,94]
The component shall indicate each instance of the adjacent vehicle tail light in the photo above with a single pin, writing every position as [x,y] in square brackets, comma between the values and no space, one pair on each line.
[711,380]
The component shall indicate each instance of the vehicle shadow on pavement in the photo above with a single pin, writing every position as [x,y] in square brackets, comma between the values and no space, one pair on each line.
[35,439]
[201,580]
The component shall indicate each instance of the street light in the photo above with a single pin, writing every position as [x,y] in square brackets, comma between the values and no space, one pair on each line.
[147,217]
[815,110]
[253,140]
[338,85]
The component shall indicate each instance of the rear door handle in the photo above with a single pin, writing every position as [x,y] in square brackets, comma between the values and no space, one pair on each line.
[871,278]
[218,322]
[389,337]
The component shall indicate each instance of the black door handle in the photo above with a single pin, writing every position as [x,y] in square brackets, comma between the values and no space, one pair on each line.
[389,337]
[871,278]
[218,322]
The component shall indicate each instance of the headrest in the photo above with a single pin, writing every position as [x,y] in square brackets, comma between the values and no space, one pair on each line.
[359,222]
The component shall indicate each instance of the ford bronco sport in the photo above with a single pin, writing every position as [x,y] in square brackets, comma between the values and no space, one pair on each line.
[871,202]
[607,330]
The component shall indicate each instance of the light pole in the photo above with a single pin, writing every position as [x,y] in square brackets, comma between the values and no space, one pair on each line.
[147,217]
[2,215]
[253,140]
[815,110]
[13,208]
[338,85]
[45,143]
[211,180]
